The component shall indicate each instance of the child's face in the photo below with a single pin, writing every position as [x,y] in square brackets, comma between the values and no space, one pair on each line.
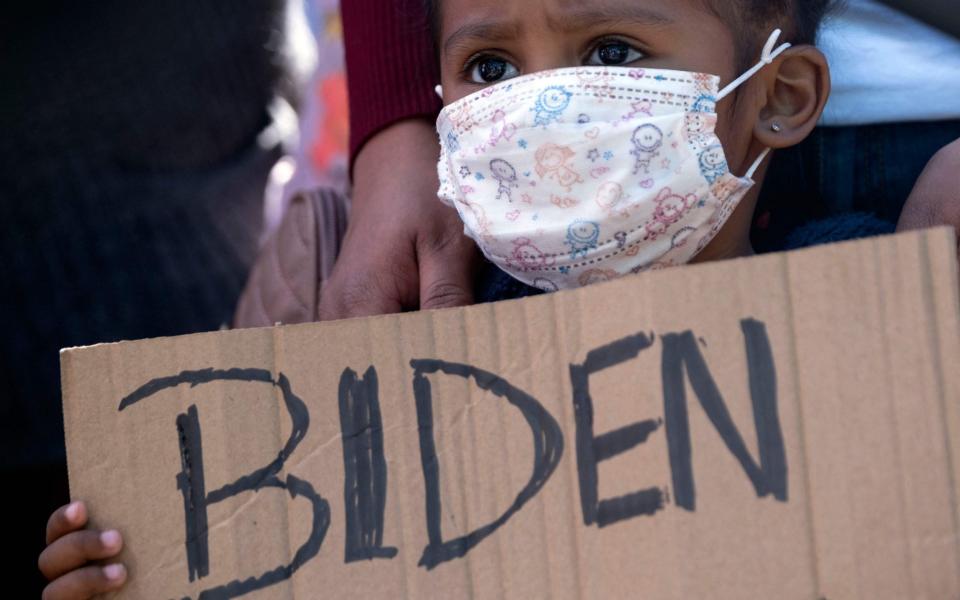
[483,42]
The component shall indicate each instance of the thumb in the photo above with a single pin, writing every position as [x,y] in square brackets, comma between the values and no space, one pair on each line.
[446,276]
[351,295]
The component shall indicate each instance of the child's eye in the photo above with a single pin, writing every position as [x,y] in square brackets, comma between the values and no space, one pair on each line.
[614,53]
[490,69]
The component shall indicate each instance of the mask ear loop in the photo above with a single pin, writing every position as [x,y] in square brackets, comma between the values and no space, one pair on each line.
[769,55]
[756,164]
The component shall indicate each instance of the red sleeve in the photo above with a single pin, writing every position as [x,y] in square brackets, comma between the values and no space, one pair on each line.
[391,65]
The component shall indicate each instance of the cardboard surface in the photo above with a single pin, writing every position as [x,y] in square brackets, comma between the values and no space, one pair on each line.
[786,426]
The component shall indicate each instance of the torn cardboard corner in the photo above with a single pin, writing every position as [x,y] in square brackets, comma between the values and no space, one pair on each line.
[786,426]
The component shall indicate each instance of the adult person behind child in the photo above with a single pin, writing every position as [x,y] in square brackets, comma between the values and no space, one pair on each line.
[136,142]
[879,133]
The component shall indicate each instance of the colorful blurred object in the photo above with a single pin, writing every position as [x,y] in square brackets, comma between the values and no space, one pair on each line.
[320,157]
[329,146]
[327,134]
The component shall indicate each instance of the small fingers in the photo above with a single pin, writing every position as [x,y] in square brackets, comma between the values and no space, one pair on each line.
[86,583]
[76,549]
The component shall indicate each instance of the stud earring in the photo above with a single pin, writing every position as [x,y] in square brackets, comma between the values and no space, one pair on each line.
[776,127]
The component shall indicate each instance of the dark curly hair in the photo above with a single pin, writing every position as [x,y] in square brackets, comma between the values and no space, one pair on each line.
[800,20]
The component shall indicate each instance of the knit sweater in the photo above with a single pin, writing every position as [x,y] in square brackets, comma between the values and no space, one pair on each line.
[391,65]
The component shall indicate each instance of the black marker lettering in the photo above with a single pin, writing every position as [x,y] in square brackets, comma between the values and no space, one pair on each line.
[364,467]
[681,353]
[191,483]
[592,450]
[547,450]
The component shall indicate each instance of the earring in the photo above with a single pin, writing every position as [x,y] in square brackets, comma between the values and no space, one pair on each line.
[776,127]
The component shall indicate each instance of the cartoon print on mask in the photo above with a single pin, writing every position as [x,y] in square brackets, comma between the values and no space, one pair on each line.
[680,238]
[713,165]
[582,236]
[564,201]
[704,82]
[597,276]
[621,237]
[670,208]
[550,105]
[462,118]
[453,143]
[552,163]
[481,224]
[545,284]
[596,81]
[640,108]
[527,257]
[647,141]
[501,130]
[697,129]
[704,104]
[506,175]
[610,196]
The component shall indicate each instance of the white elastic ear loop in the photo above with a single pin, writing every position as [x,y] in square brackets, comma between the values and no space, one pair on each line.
[756,164]
[769,55]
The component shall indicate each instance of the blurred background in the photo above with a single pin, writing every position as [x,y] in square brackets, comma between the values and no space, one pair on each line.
[138,141]
[147,149]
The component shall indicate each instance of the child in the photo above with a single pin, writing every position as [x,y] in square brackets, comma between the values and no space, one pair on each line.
[567,175]
[633,159]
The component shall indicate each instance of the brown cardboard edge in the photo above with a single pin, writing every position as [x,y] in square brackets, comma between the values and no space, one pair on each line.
[948,246]
[823,248]
[65,381]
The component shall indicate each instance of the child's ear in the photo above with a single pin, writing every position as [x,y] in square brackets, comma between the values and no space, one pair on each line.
[798,86]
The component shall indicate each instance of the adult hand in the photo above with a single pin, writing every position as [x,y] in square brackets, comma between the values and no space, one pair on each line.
[936,198]
[404,249]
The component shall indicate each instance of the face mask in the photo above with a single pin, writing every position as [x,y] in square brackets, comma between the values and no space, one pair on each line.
[569,177]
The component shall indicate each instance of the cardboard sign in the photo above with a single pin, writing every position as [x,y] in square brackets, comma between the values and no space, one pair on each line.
[786,426]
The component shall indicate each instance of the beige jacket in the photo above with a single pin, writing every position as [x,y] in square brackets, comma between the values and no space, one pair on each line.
[285,283]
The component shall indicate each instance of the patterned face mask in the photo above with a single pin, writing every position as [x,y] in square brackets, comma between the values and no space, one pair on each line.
[569,177]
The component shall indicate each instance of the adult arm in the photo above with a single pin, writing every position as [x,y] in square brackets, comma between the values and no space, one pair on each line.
[936,198]
[403,250]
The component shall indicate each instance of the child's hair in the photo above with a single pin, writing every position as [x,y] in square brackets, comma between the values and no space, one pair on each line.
[800,20]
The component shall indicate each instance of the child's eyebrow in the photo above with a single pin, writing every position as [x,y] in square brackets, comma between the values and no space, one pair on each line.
[494,30]
[491,30]
[610,13]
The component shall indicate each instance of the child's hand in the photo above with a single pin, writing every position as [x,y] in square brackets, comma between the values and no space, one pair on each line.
[66,562]
[936,198]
